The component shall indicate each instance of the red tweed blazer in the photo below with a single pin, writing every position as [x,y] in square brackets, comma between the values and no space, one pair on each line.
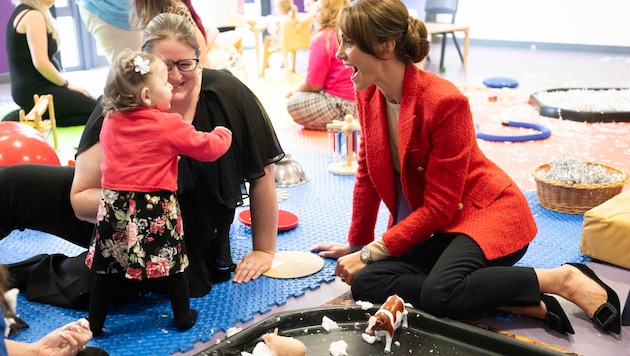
[451,186]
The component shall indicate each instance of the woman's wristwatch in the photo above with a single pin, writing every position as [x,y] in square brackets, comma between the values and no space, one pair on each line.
[366,256]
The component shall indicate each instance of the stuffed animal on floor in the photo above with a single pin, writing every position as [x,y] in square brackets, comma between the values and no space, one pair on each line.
[12,322]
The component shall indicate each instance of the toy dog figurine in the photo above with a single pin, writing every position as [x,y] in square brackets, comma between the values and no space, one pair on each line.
[283,345]
[387,319]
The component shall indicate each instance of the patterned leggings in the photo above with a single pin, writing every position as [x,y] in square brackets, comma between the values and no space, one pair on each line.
[315,110]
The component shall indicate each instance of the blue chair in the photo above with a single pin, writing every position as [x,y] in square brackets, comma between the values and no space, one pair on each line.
[433,8]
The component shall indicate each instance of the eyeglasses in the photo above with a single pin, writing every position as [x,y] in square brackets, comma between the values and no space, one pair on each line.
[184,65]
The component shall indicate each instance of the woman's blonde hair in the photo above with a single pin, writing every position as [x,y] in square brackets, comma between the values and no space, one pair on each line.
[51,23]
[368,23]
[167,26]
[125,80]
[329,11]
[145,10]
[287,7]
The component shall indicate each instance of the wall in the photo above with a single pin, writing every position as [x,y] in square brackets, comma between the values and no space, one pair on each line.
[585,23]
[6,10]
[575,22]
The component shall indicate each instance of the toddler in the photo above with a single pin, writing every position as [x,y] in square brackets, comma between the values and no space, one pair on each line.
[284,11]
[139,230]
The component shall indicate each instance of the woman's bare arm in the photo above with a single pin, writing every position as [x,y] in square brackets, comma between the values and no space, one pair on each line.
[86,186]
[34,25]
[264,210]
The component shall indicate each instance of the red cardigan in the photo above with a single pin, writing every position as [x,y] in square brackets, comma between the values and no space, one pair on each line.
[140,149]
[451,186]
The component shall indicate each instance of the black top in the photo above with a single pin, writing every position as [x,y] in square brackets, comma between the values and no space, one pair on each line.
[71,107]
[25,79]
[209,192]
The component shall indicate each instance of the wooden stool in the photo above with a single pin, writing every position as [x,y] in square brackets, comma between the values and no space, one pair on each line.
[34,117]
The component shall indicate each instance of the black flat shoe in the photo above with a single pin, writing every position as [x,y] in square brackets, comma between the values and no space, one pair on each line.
[187,321]
[556,318]
[607,317]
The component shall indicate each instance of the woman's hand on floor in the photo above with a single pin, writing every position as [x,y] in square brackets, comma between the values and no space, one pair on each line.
[252,266]
[331,249]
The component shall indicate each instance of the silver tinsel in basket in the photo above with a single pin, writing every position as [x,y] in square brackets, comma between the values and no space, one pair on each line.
[572,171]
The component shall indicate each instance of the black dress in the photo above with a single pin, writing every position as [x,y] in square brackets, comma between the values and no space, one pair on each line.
[71,107]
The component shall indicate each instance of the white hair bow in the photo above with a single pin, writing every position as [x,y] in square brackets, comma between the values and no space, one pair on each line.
[141,65]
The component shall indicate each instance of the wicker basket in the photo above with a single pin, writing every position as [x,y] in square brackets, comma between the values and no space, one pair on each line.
[576,198]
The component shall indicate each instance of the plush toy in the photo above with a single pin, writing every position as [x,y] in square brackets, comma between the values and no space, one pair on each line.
[12,323]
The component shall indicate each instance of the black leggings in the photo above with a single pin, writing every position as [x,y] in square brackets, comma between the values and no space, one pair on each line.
[106,287]
[448,276]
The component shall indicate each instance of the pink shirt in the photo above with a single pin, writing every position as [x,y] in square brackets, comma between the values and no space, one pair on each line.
[325,69]
[140,149]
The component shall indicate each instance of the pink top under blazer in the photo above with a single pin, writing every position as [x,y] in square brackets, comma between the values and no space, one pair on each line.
[451,186]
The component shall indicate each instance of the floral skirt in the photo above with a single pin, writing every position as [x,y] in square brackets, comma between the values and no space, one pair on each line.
[138,234]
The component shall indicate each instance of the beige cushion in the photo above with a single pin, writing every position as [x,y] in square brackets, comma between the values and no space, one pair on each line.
[606,231]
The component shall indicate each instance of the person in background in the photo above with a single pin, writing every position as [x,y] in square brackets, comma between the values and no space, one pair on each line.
[67,340]
[32,40]
[145,10]
[458,223]
[310,8]
[108,22]
[139,231]
[326,94]
[225,15]
[64,201]
[284,11]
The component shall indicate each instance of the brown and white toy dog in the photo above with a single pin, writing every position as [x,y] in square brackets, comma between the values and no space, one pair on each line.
[387,319]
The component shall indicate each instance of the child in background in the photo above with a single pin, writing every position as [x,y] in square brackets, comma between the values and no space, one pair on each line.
[139,230]
[284,11]
[310,8]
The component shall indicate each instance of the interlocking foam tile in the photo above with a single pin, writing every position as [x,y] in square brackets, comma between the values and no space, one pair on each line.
[323,205]
[558,238]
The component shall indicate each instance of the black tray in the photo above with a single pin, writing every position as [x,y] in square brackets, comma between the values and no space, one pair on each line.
[550,111]
[426,335]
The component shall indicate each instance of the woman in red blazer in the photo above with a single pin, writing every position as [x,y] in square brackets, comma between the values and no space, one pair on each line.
[458,223]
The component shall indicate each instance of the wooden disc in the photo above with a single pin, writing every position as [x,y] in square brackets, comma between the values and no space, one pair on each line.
[295,264]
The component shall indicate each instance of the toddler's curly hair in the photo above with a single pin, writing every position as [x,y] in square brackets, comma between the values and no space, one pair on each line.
[125,82]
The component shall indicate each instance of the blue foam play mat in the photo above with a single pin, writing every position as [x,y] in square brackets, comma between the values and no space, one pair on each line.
[145,326]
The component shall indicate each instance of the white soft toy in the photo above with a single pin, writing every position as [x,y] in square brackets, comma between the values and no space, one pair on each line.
[11,297]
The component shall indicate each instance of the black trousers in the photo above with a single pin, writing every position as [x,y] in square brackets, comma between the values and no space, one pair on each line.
[71,107]
[448,276]
[36,196]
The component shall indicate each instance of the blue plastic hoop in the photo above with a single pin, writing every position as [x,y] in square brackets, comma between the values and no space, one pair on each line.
[543,132]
